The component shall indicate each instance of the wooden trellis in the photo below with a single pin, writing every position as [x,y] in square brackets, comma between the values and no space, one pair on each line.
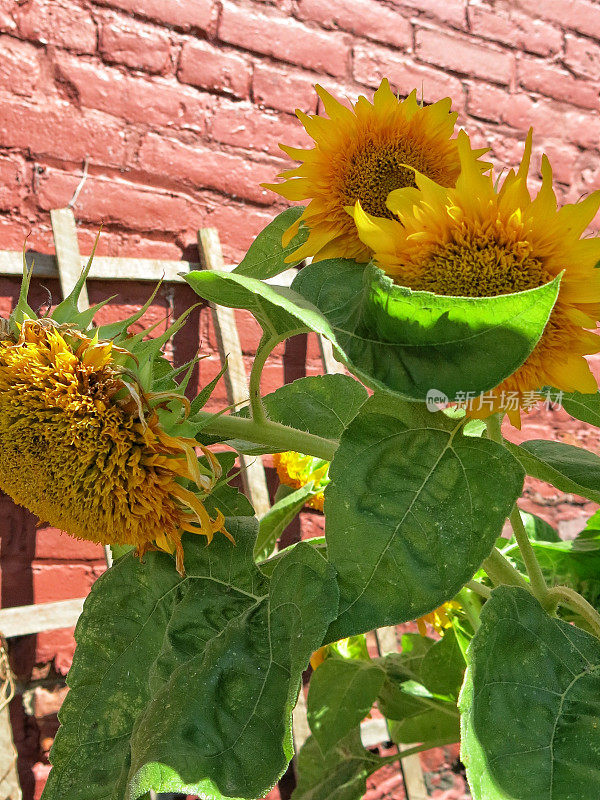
[66,266]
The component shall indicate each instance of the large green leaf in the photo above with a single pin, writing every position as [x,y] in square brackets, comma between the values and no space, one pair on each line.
[340,775]
[414,342]
[418,712]
[530,704]
[569,468]
[279,516]
[266,255]
[412,510]
[341,694]
[279,311]
[178,684]
[431,725]
[585,407]
[321,404]
[575,563]
[443,667]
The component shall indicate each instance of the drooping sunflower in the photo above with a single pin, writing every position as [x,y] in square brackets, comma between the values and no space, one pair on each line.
[363,154]
[91,423]
[480,240]
[296,470]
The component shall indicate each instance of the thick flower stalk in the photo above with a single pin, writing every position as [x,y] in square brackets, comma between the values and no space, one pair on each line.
[363,153]
[91,424]
[478,240]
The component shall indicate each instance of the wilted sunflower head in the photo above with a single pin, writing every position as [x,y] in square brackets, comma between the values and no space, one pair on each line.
[478,240]
[364,153]
[296,470]
[90,431]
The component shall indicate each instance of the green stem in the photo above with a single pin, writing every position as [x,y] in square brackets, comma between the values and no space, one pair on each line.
[565,596]
[268,433]
[536,576]
[418,749]
[501,571]
[534,571]
[479,588]
[264,350]
[470,609]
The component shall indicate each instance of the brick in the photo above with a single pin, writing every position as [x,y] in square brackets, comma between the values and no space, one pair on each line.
[285,39]
[7,16]
[52,582]
[238,226]
[52,544]
[134,44]
[109,201]
[547,117]
[452,12]
[464,56]
[366,18]
[283,89]
[58,22]
[491,103]
[154,101]
[537,75]
[75,135]
[19,66]
[57,646]
[184,14]
[582,56]
[242,125]
[205,66]
[12,179]
[135,245]
[372,64]
[567,160]
[513,28]
[579,15]
[12,235]
[201,168]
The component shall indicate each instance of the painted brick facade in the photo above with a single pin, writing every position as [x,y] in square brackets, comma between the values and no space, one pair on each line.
[178,107]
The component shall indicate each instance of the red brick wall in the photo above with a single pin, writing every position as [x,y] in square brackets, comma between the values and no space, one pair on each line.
[178,107]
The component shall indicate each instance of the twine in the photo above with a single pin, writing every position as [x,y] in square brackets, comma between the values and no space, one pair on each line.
[7,692]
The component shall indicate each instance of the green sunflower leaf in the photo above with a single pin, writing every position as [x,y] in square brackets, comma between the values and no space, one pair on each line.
[569,468]
[177,684]
[266,255]
[522,659]
[342,692]
[414,342]
[413,508]
[280,311]
[340,775]
[279,516]
[575,563]
[585,407]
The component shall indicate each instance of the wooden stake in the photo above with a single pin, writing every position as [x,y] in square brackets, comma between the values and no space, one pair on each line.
[236,382]
[68,256]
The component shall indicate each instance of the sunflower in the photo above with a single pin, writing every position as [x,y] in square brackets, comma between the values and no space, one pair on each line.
[438,618]
[363,154]
[88,444]
[296,470]
[478,240]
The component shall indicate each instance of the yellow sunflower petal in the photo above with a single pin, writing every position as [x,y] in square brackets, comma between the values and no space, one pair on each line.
[364,153]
